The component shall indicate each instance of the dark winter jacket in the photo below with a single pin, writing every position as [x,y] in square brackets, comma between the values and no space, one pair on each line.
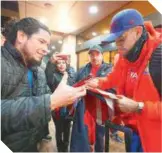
[53,79]
[25,111]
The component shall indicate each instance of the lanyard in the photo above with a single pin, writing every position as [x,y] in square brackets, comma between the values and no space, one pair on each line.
[30,80]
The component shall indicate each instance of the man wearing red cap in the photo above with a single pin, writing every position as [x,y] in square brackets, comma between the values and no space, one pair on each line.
[137,76]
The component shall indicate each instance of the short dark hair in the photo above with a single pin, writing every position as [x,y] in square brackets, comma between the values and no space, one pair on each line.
[28,25]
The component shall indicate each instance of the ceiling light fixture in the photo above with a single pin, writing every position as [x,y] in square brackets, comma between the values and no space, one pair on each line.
[53,47]
[93,9]
[60,41]
[106,31]
[94,34]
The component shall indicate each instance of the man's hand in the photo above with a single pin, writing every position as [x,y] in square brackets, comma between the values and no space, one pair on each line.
[126,105]
[65,94]
[92,83]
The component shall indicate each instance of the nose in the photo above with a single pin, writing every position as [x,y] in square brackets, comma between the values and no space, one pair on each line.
[95,57]
[45,50]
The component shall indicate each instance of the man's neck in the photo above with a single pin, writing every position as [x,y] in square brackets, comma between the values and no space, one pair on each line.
[96,66]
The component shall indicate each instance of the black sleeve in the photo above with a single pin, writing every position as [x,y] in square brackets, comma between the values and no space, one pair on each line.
[50,69]
[71,76]
[79,74]
[155,68]
[25,112]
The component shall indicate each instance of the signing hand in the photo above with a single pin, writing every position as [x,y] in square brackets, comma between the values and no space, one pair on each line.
[126,105]
[92,83]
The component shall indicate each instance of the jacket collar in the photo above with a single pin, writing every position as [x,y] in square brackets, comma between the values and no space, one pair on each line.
[102,68]
[135,52]
[13,51]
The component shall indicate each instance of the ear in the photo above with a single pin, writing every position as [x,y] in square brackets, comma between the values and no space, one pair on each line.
[139,30]
[21,37]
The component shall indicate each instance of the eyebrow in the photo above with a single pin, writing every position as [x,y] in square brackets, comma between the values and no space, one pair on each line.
[42,39]
[120,38]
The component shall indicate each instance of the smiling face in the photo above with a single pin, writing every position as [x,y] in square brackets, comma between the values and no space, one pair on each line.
[35,47]
[61,65]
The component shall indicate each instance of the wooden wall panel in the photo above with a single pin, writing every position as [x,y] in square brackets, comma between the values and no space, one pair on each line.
[82,58]
[106,56]
[113,53]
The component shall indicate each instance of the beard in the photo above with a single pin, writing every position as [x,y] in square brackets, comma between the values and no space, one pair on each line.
[29,59]
[32,62]
[96,63]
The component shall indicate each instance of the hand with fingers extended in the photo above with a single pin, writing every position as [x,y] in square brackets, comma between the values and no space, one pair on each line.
[126,105]
[65,94]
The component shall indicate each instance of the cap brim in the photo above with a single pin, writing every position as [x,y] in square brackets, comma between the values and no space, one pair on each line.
[93,50]
[112,37]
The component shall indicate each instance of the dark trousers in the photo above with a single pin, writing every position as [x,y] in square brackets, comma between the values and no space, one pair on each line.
[100,133]
[46,129]
[62,133]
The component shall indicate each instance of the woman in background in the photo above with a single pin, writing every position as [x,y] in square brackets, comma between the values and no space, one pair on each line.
[61,115]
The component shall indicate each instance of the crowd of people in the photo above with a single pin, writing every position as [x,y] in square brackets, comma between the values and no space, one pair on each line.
[31,95]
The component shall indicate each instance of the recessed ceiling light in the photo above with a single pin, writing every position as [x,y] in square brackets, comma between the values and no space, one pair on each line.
[94,34]
[60,41]
[106,31]
[93,9]
[53,47]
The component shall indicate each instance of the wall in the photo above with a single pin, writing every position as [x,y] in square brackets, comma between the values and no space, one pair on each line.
[68,47]
[82,58]
[9,13]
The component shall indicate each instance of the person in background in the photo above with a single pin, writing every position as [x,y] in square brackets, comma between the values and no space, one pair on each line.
[91,113]
[2,39]
[26,101]
[51,65]
[137,77]
[61,115]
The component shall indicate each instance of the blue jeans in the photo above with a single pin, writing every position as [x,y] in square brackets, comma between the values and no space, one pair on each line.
[136,145]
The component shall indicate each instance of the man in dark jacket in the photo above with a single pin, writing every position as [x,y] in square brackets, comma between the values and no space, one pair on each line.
[88,130]
[25,100]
